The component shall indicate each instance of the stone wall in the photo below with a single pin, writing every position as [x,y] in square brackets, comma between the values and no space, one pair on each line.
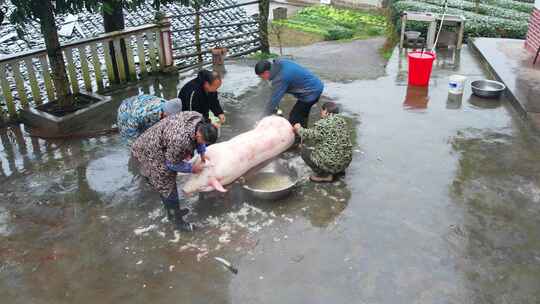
[532,41]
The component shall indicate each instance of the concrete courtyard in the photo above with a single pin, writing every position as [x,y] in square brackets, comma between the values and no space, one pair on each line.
[440,205]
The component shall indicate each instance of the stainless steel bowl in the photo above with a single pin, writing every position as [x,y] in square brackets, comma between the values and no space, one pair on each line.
[487,88]
[413,35]
[273,169]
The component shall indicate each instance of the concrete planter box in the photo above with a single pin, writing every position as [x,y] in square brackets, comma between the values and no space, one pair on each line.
[39,119]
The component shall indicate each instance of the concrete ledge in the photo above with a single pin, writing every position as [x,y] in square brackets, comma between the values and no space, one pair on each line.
[36,118]
[509,62]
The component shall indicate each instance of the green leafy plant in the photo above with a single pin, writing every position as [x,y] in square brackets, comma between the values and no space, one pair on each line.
[510,4]
[338,33]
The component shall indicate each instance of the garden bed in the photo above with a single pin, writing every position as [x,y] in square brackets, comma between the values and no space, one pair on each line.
[74,103]
[491,18]
[335,24]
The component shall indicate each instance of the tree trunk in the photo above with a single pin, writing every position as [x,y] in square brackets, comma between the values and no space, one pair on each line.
[58,66]
[198,34]
[114,21]
[264,10]
[3,11]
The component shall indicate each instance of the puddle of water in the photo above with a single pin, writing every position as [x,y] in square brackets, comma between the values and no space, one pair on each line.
[439,205]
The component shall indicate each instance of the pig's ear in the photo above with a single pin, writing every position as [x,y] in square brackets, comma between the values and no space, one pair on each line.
[214,183]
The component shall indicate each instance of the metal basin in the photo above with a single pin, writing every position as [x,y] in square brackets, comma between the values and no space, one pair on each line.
[273,182]
[487,88]
[413,35]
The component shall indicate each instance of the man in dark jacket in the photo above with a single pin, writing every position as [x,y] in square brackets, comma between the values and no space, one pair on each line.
[200,95]
[289,77]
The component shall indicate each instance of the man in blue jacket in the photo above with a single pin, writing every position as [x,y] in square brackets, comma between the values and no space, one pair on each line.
[287,76]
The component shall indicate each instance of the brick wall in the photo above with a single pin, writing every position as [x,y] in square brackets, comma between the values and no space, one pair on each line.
[532,41]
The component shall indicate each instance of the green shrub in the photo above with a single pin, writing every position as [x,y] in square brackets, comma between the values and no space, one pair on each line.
[476,25]
[375,31]
[338,33]
[509,4]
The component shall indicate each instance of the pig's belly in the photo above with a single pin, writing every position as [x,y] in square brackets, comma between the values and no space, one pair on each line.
[231,159]
[236,157]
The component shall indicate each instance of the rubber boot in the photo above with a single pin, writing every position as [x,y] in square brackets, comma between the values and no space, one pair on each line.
[175,214]
[171,213]
[179,221]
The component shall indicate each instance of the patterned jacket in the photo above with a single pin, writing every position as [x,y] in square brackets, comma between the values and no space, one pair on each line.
[138,113]
[170,141]
[332,142]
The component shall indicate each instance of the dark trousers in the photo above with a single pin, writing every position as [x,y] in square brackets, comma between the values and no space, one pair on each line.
[172,201]
[306,156]
[300,112]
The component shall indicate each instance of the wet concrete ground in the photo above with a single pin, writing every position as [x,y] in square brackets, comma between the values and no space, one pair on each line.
[440,205]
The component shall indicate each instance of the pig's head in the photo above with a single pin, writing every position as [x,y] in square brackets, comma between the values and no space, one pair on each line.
[203,182]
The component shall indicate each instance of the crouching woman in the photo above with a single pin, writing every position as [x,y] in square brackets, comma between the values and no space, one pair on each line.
[331,150]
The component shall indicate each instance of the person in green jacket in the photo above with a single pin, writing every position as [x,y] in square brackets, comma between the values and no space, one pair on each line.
[331,137]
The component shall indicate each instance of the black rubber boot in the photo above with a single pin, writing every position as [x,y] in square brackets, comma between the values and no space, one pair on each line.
[176,217]
[171,213]
[175,214]
[182,225]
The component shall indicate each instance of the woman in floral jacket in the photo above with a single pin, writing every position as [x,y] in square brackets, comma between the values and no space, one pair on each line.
[165,149]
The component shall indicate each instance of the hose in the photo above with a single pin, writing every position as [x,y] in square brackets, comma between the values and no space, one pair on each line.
[440,27]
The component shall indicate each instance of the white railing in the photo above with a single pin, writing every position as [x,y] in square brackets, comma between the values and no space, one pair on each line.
[26,77]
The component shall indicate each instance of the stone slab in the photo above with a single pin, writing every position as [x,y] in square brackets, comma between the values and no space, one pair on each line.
[511,63]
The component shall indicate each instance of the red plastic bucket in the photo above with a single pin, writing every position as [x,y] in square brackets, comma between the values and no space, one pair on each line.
[420,66]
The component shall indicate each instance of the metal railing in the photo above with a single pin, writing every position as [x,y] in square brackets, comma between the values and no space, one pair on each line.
[93,64]
[178,55]
[89,65]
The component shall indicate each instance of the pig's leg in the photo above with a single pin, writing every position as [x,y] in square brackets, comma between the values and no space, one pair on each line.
[217,185]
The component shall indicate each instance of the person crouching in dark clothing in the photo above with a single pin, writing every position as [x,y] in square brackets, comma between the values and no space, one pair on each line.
[200,95]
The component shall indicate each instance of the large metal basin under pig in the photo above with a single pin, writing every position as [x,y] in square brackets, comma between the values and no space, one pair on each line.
[278,169]
[229,160]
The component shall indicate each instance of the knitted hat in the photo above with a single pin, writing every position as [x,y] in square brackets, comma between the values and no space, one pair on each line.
[172,106]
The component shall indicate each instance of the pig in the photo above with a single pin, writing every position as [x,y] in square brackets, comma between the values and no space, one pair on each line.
[231,159]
